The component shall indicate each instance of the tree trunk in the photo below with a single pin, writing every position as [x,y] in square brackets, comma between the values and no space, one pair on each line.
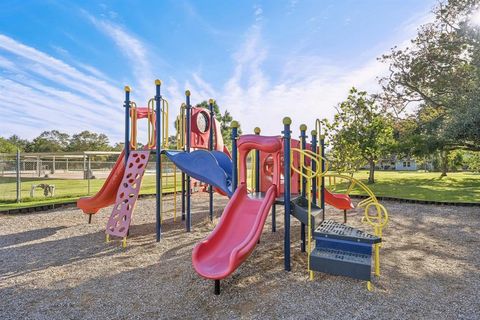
[444,160]
[371,174]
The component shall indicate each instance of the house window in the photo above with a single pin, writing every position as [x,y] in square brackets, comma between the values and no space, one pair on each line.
[408,164]
[404,164]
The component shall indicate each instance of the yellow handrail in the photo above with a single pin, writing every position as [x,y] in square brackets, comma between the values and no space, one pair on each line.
[308,174]
[181,122]
[133,126]
[378,221]
[151,122]
[164,111]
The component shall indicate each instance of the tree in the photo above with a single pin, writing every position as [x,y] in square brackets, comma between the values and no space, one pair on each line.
[89,141]
[50,141]
[6,146]
[473,161]
[21,144]
[360,131]
[440,70]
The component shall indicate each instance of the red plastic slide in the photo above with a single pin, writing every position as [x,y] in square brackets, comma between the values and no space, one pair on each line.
[106,196]
[338,200]
[235,236]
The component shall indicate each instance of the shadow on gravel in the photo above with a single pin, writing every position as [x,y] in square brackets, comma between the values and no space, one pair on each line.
[31,235]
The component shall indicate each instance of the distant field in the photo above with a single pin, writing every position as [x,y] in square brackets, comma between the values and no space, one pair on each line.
[456,187]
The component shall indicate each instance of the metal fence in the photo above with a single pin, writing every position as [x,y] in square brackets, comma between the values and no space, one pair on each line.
[28,177]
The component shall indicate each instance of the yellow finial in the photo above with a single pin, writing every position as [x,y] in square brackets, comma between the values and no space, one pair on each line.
[158,82]
[187,93]
[183,104]
[287,120]
[314,133]
[256,130]
[303,127]
[127,89]
[235,124]
[211,101]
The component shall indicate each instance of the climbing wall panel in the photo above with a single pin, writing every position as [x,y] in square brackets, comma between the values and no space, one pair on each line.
[127,194]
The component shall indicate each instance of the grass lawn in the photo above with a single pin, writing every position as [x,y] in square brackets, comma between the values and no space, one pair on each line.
[66,190]
[456,187]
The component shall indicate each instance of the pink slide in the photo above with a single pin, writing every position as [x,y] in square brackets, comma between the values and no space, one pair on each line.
[106,196]
[241,224]
[338,200]
[235,236]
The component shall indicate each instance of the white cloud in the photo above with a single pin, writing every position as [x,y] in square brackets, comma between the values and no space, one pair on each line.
[135,51]
[45,93]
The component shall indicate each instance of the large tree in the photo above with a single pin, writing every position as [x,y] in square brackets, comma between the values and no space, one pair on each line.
[89,141]
[6,146]
[360,131]
[440,70]
[50,141]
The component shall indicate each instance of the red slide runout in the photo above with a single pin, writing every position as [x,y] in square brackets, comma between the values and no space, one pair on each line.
[235,236]
[338,200]
[106,196]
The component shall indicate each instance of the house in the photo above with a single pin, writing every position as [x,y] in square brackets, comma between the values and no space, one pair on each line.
[397,164]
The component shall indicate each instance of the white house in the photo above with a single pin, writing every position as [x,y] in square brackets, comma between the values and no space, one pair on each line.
[401,164]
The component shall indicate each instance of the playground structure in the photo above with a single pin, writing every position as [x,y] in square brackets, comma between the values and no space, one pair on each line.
[285,171]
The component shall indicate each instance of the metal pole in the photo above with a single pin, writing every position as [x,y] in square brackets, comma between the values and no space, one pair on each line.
[286,156]
[257,165]
[158,162]
[183,128]
[210,147]
[322,187]
[234,126]
[303,141]
[18,176]
[127,123]
[314,166]
[89,176]
[189,191]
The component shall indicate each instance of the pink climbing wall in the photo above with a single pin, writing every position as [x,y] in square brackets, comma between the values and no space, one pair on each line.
[127,194]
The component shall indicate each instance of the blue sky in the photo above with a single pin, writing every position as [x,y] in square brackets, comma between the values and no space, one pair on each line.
[63,64]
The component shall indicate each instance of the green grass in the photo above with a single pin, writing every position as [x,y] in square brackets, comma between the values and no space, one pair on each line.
[66,190]
[456,187]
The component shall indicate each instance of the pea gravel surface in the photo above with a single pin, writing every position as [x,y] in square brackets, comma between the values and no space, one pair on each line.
[54,265]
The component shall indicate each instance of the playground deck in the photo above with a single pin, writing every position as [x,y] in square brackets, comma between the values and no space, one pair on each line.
[56,266]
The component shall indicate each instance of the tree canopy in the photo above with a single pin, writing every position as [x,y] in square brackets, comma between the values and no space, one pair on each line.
[440,71]
[360,132]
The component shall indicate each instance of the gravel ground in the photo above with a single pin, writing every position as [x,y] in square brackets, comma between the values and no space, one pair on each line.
[53,265]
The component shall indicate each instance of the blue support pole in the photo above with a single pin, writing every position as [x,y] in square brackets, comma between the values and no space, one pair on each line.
[127,123]
[158,162]
[234,126]
[257,164]
[210,147]
[286,156]
[188,184]
[322,187]
[314,166]
[303,145]
[182,126]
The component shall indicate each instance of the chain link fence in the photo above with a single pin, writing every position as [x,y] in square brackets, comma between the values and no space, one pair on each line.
[29,178]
